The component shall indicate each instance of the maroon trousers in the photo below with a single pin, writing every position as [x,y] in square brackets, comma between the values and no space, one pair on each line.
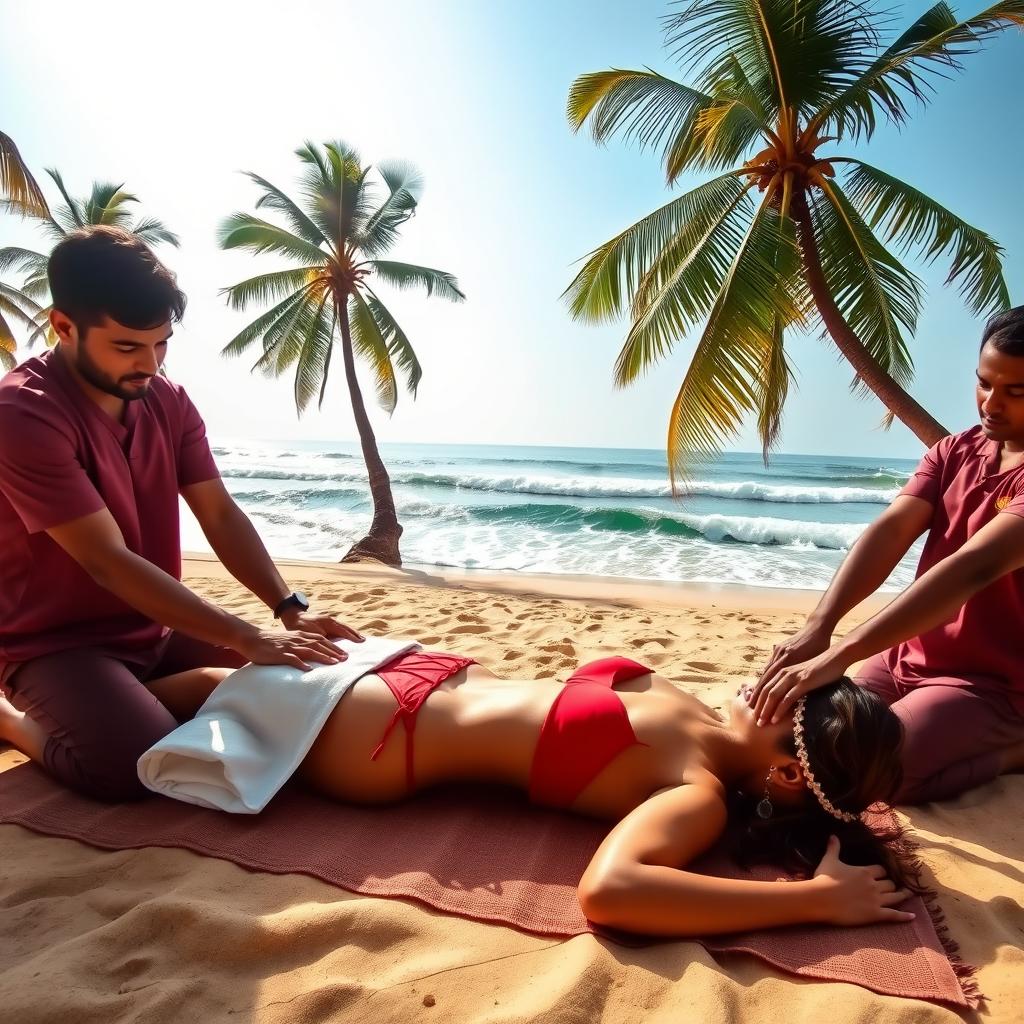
[953,730]
[97,713]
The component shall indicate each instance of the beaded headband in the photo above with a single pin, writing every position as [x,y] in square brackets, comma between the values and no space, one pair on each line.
[812,783]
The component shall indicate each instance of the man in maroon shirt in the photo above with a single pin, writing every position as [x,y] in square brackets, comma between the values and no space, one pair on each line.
[948,653]
[102,649]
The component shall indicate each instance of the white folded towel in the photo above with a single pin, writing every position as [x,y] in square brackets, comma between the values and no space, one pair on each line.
[254,730]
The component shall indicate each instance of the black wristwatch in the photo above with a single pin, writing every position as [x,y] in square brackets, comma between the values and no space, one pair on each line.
[293,600]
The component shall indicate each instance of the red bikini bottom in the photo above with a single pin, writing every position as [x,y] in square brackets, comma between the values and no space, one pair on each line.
[412,678]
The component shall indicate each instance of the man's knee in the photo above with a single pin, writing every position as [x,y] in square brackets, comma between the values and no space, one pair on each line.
[108,773]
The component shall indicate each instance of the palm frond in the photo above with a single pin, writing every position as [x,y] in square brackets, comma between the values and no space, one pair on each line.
[408,275]
[903,213]
[771,388]
[613,271]
[405,185]
[244,231]
[903,75]
[153,232]
[283,340]
[36,286]
[878,297]
[264,288]
[722,384]
[368,342]
[263,323]
[660,113]
[21,261]
[680,288]
[399,347]
[301,224]
[107,204]
[8,346]
[311,365]
[71,216]
[17,183]
[794,56]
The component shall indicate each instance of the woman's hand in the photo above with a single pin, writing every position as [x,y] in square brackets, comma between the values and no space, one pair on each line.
[858,895]
[779,689]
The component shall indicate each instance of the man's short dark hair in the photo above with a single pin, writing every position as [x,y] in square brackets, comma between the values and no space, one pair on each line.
[1005,332]
[104,271]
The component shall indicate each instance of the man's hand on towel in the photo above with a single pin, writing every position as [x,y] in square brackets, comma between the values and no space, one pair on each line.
[294,647]
[324,623]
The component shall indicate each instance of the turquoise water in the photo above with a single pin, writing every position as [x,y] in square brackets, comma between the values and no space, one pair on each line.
[603,511]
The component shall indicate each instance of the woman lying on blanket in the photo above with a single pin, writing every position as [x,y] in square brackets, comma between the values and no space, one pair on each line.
[618,742]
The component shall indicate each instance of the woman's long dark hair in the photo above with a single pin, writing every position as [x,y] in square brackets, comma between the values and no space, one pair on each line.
[853,743]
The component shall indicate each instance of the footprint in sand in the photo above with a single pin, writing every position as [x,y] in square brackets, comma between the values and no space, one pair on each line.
[565,648]
[468,628]
[703,666]
[378,592]
[644,640]
[514,625]
[594,627]
[374,626]
[429,641]
[466,617]
[355,595]
[512,655]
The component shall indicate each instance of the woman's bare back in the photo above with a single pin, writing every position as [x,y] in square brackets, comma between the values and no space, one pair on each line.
[477,727]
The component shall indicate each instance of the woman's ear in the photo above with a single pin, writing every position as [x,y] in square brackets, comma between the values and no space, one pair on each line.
[789,776]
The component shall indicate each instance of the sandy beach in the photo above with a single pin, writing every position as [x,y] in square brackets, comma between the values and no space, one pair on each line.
[165,935]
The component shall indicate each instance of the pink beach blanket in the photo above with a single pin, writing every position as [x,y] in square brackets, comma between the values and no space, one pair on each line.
[473,853]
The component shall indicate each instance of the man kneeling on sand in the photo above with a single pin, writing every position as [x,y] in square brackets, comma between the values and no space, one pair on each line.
[946,654]
[102,649]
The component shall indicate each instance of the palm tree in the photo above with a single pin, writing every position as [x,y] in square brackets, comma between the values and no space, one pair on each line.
[16,181]
[29,304]
[335,237]
[776,240]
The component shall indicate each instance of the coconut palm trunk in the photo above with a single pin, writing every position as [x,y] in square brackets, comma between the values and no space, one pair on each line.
[902,405]
[381,542]
[334,239]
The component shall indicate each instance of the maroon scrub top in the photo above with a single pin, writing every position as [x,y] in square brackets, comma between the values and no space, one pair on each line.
[61,458]
[982,644]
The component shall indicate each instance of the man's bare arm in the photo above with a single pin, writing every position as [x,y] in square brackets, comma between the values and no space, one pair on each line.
[931,600]
[238,545]
[869,563]
[96,543]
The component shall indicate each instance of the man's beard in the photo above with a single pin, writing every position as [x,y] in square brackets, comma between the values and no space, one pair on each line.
[103,382]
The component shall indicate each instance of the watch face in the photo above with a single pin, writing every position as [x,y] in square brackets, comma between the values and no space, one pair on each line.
[301,600]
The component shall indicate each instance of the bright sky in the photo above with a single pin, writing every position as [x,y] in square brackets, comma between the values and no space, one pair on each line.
[175,100]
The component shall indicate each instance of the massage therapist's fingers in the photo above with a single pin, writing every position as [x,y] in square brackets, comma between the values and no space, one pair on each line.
[319,648]
[338,630]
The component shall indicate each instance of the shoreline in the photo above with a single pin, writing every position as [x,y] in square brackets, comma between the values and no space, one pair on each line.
[614,590]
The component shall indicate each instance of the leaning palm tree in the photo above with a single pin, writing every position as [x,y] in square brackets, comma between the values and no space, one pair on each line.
[778,240]
[16,181]
[106,204]
[335,237]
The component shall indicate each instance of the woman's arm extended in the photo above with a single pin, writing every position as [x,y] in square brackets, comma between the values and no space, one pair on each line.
[637,879]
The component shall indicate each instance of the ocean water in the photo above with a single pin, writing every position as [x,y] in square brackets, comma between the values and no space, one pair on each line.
[602,511]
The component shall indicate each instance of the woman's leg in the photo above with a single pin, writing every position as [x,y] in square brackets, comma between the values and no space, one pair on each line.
[188,672]
[92,719]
